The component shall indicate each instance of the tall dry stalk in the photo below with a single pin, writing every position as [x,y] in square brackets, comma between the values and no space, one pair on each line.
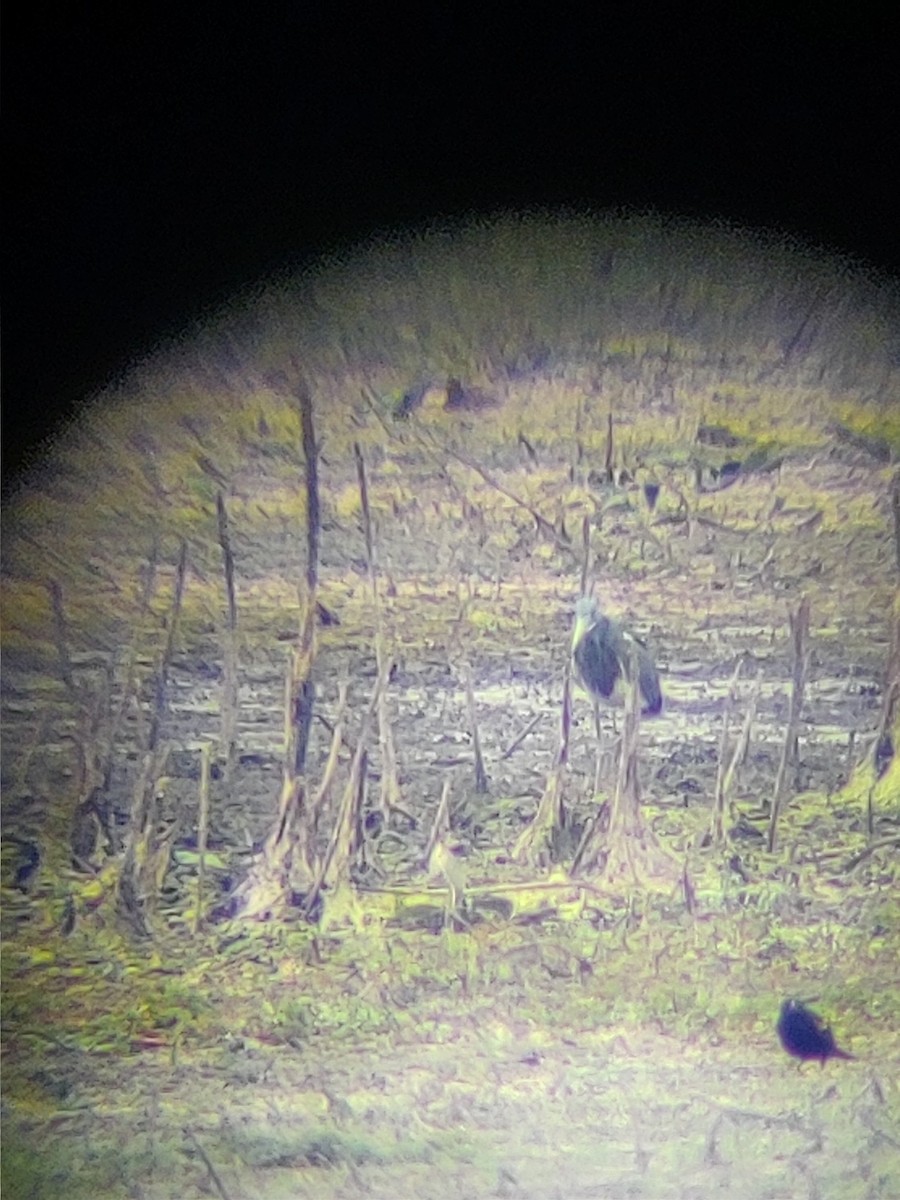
[799,626]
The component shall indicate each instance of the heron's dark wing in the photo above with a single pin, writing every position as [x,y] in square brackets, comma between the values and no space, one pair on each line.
[649,681]
[628,649]
[597,660]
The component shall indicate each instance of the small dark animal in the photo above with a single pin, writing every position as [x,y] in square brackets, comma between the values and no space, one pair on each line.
[803,1034]
[651,494]
[27,868]
[411,401]
[884,755]
[470,399]
[717,435]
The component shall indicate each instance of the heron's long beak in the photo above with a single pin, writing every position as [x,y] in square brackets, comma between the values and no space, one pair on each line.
[581,628]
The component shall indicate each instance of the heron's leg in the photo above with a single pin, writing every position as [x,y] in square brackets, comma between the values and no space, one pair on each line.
[598,759]
[596,703]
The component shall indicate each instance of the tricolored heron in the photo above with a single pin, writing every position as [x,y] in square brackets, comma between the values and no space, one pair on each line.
[605,652]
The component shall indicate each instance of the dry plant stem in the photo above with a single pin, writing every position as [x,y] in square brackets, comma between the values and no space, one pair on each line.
[799,623]
[359,802]
[202,830]
[520,738]
[481,779]
[129,686]
[146,855]
[718,813]
[885,724]
[265,887]
[585,554]
[851,752]
[390,786]
[228,737]
[720,527]
[528,448]
[335,864]
[743,745]
[610,451]
[441,822]
[300,696]
[308,830]
[591,836]
[161,696]
[367,517]
[334,751]
[717,822]
[298,714]
[389,798]
[443,864]
[888,712]
[629,850]
[578,447]
[213,1173]
[301,690]
[684,514]
[891,687]
[585,571]
[554,884]
[95,753]
[136,893]
[872,848]
[895,511]
[532,843]
[313,512]
[688,891]
[61,634]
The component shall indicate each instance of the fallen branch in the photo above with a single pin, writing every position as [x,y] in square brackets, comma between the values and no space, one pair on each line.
[517,741]
[558,537]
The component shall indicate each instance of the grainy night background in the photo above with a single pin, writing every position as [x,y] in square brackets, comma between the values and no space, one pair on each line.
[155,165]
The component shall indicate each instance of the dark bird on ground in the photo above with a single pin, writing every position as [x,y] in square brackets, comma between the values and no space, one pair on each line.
[27,866]
[651,494]
[884,754]
[804,1035]
[471,399]
[412,399]
[604,652]
[717,435]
